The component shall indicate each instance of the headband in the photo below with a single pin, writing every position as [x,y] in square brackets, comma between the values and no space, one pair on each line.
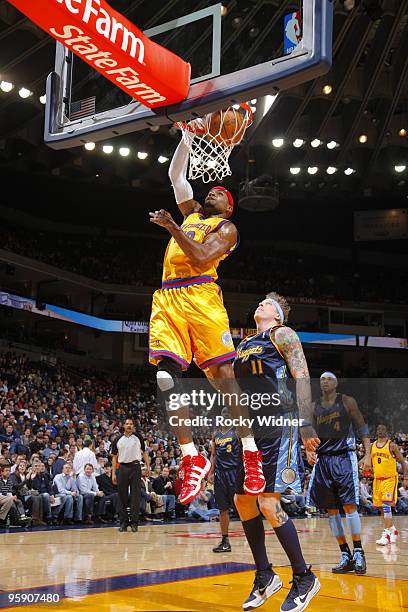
[328,375]
[278,309]
[228,194]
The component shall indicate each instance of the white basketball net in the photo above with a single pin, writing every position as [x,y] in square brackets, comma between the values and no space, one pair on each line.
[209,153]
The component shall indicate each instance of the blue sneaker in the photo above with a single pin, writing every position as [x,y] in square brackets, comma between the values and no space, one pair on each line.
[359,561]
[266,584]
[304,588]
[345,566]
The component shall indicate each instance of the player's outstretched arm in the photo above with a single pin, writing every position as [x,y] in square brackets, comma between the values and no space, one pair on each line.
[362,429]
[292,350]
[183,191]
[215,245]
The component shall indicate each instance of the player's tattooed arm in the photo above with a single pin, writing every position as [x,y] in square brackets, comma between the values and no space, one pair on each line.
[215,245]
[280,515]
[354,413]
[290,346]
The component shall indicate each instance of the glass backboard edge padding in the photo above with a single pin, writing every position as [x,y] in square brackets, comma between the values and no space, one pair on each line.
[219,92]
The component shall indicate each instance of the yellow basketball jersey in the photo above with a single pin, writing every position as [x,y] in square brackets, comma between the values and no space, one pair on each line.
[176,263]
[384,464]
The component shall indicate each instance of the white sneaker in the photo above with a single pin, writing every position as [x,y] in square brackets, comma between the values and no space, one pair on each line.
[385,538]
[393,535]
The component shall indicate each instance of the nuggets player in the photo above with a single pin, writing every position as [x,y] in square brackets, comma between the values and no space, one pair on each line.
[189,318]
[262,365]
[225,461]
[384,455]
[335,480]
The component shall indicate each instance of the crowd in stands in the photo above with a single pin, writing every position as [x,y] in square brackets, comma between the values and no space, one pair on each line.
[56,431]
[125,260]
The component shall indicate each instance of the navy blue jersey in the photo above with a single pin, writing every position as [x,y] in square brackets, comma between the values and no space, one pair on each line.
[227,450]
[260,367]
[334,428]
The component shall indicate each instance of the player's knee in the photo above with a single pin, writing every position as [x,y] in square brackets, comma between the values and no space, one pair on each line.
[222,370]
[387,510]
[168,375]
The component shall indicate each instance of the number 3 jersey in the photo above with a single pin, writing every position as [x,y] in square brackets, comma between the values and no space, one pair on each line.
[334,428]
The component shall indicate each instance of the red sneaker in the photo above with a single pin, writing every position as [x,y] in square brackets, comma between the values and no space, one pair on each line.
[195,469]
[254,482]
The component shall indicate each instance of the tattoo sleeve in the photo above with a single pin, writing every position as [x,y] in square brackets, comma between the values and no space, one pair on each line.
[289,344]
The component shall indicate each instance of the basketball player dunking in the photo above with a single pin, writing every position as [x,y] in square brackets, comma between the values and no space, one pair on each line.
[262,366]
[189,318]
[385,454]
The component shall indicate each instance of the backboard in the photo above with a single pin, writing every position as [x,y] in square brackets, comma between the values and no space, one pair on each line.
[255,49]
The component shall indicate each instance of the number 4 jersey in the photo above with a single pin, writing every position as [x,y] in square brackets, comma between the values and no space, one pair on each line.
[334,427]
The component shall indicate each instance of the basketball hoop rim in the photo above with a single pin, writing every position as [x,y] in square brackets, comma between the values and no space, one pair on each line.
[182,125]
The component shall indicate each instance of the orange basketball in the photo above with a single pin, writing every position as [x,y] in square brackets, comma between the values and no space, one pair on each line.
[226,127]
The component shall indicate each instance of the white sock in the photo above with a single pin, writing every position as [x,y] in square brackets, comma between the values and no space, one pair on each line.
[188,449]
[248,444]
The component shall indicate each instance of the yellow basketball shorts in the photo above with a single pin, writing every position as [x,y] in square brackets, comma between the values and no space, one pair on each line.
[190,320]
[385,491]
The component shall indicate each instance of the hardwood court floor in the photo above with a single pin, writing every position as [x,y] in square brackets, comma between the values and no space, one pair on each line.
[172,567]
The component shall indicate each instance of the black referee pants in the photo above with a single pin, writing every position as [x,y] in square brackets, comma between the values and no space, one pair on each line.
[129,475]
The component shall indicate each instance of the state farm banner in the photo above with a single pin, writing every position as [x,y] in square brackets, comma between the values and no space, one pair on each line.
[113,46]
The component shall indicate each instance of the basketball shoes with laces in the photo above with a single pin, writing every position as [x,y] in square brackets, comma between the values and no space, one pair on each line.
[195,469]
[254,481]
[385,538]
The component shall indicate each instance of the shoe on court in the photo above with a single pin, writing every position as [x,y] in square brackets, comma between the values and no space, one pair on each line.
[195,469]
[345,566]
[254,481]
[393,535]
[359,561]
[266,584]
[223,546]
[304,588]
[385,538]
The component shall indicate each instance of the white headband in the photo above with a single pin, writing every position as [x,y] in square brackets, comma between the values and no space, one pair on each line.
[328,375]
[279,309]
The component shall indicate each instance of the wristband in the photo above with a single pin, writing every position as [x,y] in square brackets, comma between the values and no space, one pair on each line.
[363,431]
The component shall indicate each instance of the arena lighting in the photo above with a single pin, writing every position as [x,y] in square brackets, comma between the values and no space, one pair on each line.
[124,151]
[89,146]
[331,170]
[24,93]
[162,159]
[400,169]
[6,86]
[402,132]
[254,101]
[107,149]
[295,170]
[363,139]
[313,169]
[316,143]
[349,171]
[278,142]
[327,89]
[253,109]
[142,155]
[43,99]
[332,144]
[298,143]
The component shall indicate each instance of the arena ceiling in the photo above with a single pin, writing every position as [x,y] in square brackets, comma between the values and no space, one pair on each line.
[359,109]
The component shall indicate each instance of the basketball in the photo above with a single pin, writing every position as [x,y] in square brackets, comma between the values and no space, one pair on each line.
[227,126]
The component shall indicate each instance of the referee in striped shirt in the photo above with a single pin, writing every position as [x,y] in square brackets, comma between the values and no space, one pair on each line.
[127,451]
